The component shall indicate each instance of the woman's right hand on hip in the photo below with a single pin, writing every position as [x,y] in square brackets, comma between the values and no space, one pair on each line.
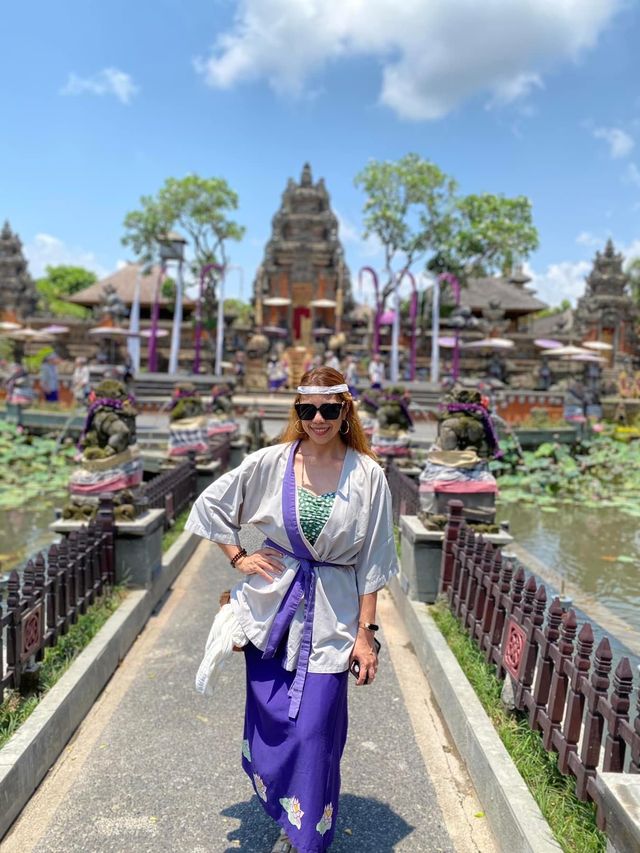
[265,562]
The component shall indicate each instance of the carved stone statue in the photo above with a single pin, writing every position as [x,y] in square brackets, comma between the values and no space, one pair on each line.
[109,460]
[185,402]
[391,435]
[457,466]
[113,306]
[466,424]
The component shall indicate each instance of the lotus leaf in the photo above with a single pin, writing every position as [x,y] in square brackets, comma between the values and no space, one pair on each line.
[593,473]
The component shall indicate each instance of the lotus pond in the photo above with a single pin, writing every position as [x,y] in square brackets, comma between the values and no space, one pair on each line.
[577,510]
[33,480]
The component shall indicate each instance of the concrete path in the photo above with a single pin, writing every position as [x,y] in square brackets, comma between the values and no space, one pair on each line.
[156,767]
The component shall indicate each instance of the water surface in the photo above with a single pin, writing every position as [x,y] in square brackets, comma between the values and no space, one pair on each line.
[584,546]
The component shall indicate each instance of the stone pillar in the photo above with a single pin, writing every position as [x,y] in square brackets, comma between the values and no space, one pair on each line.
[421,557]
[138,547]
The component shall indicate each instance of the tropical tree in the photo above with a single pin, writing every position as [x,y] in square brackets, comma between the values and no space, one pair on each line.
[59,283]
[198,207]
[489,235]
[413,209]
[409,209]
[633,271]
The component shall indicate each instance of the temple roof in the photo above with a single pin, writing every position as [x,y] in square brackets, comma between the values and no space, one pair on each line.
[124,282]
[512,296]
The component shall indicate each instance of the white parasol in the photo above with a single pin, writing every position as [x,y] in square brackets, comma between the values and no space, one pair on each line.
[597,345]
[323,303]
[28,334]
[112,332]
[160,333]
[491,343]
[570,349]
[276,300]
[588,356]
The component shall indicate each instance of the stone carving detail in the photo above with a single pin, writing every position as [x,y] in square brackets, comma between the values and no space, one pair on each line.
[514,647]
[32,630]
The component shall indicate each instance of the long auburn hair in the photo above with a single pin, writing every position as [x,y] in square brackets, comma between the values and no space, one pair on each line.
[355,437]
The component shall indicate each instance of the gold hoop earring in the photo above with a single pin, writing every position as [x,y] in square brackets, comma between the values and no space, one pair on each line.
[299,427]
[345,421]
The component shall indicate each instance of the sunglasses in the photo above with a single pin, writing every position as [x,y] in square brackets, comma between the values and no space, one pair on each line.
[329,411]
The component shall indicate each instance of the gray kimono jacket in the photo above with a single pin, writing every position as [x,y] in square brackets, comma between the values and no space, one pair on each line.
[358,538]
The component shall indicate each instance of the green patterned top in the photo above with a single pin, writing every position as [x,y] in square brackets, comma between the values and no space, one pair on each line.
[314,512]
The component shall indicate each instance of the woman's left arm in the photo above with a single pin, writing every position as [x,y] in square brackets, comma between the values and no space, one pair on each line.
[363,649]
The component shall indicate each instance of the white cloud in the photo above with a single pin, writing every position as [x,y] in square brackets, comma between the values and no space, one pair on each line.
[564,280]
[109,81]
[516,89]
[434,55]
[45,250]
[633,174]
[631,251]
[586,238]
[350,234]
[620,142]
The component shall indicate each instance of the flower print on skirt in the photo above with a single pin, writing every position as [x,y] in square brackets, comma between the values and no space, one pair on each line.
[294,765]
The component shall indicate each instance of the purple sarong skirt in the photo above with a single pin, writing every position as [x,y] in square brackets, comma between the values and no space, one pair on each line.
[294,765]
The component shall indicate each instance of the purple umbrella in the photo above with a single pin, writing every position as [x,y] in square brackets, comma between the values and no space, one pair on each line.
[447,342]
[387,318]
[547,343]
[275,330]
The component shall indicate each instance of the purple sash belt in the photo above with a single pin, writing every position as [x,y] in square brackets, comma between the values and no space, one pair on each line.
[302,586]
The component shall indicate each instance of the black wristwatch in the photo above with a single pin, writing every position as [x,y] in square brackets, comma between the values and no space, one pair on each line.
[370,626]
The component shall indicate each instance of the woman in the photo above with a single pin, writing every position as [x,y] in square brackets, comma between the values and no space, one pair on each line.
[81,381]
[305,612]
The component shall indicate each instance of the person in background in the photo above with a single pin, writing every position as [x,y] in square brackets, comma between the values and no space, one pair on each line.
[331,360]
[276,373]
[128,370]
[351,375]
[49,381]
[376,371]
[80,381]
[239,368]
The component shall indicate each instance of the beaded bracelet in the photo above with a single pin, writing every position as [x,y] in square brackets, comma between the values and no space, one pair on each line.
[241,553]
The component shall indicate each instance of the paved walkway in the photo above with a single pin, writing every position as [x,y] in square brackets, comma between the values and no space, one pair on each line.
[155,766]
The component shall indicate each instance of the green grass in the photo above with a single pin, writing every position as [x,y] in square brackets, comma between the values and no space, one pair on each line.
[396,537]
[572,822]
[170,535]
[15,708]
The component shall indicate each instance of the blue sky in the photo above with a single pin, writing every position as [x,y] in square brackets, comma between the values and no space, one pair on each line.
[102,101]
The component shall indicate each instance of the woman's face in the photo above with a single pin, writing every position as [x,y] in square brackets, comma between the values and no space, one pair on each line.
[319,430]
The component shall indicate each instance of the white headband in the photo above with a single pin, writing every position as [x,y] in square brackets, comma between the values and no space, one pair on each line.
[323,389]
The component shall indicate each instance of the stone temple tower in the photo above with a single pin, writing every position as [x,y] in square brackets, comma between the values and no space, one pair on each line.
[303,287]
[18,297]
[607,311]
